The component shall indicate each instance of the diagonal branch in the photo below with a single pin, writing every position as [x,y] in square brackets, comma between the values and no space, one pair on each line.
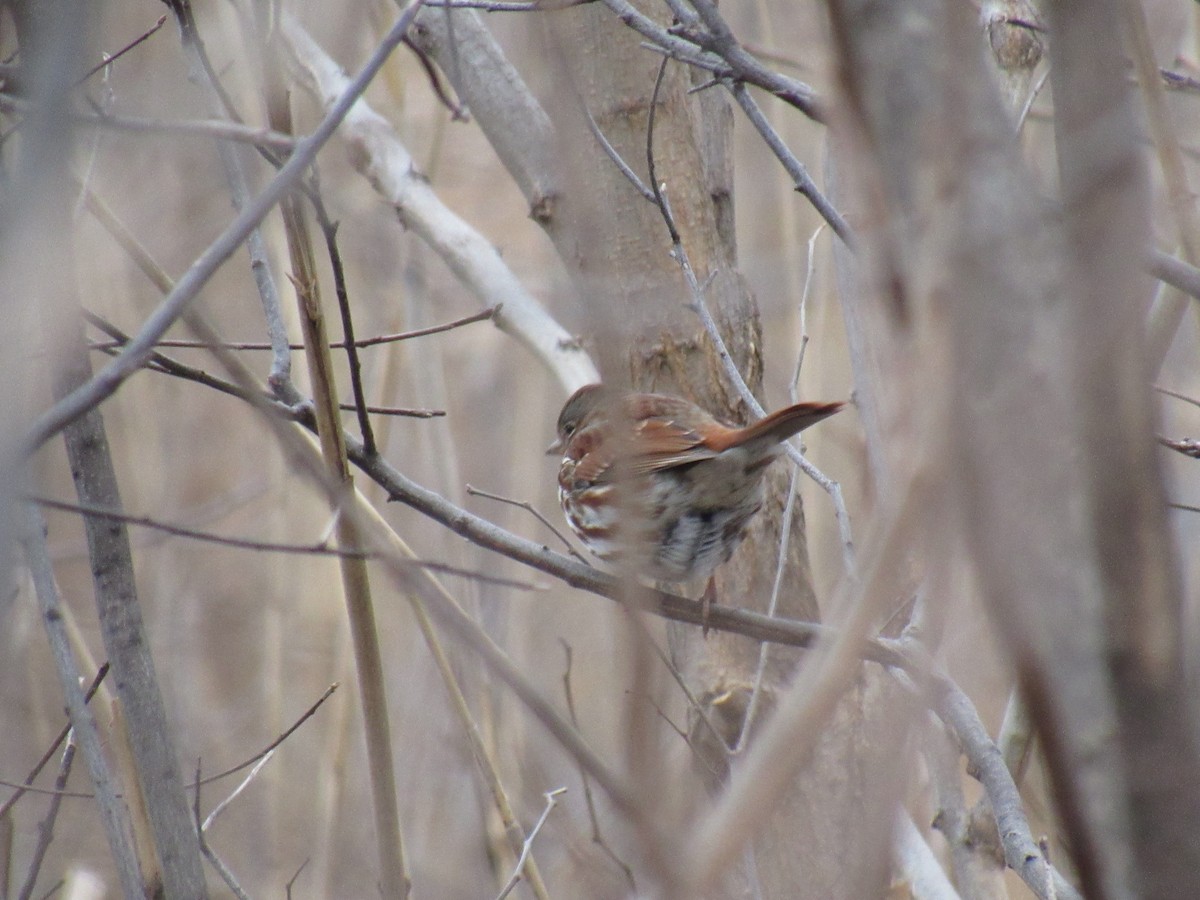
[106,382]
[381,157]
[112,813]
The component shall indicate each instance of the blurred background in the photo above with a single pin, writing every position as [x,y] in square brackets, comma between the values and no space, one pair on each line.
[245,641]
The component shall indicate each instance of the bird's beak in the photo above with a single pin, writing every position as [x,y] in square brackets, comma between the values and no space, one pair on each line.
[556,448]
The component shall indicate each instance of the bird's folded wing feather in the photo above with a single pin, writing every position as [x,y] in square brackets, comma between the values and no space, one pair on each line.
[657,444]
[663,444]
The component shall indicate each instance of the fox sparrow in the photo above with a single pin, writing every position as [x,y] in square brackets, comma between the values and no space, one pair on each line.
[657,481]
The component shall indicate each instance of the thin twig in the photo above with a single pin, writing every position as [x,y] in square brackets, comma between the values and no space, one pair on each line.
[1178,396]
[810,268]
[785,531]
[612,154]
[233,795]
[551,802]
[317,549]
[158,362]
[231,161]
[533,511]
[1033,95]
[589,801]
[10,102]
[329,230]
[295,875]
[694,704]
[458,112]
[211,128]
[54,889]
[109,59]
[220,775]
[507,5]
[483,316]
[406,411]
[169,366]
[223,870]
[651,166]
[304,717]
[46,826]
[53,748]
[698,48]
[209,854]
[799,174]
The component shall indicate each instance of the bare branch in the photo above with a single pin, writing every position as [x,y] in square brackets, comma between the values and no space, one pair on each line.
[110,58]
[317,549]
[211,128]
[406,411]
[915,862]
[507,112]
[514,879]
[533,511]
[231,157]
[233,795]
[797,171]
[720,55]
[8,804]
[1180,199]
[1174,272]
[1021,852]
[46,826]
[334,345]
[215,861]
[107,381]
[700,307]
[112,814]
[384,160]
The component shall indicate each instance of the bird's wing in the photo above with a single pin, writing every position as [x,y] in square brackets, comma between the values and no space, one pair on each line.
[660,443]
[656,444]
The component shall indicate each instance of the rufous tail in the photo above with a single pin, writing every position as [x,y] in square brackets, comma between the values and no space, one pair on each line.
[782,424]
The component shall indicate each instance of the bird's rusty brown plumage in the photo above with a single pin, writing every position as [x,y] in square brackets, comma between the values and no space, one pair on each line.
[656,480]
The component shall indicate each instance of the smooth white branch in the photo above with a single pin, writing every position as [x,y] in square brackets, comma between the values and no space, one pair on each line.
[379,155]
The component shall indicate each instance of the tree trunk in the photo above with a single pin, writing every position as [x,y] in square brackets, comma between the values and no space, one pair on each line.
[643,334]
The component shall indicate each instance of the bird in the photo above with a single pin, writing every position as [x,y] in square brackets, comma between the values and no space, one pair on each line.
[656,483]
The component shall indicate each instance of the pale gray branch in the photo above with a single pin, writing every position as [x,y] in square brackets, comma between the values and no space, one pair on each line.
[387,164]
[511,118]
[914,861]
[112,812]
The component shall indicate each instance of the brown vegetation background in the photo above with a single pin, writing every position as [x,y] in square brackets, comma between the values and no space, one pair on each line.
[245,641]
